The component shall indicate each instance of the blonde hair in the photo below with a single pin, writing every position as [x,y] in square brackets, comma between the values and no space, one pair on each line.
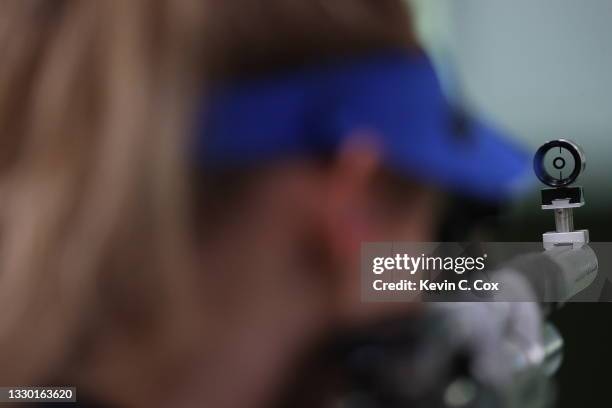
[94,235]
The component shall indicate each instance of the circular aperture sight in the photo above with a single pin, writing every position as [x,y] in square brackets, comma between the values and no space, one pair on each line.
[558,163]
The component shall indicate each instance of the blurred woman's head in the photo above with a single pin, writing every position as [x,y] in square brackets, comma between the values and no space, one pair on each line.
[126,272]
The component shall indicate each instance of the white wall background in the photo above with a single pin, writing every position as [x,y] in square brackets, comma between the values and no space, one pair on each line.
[542,68]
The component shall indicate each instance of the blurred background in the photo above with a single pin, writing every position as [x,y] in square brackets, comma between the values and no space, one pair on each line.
[542,69]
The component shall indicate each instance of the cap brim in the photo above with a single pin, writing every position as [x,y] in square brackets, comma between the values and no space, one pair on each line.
[484,163]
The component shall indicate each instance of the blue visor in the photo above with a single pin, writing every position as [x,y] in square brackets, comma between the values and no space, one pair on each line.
[394,98]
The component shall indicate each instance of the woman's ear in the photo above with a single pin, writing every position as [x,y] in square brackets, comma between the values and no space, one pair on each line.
[346,214]
[348,220]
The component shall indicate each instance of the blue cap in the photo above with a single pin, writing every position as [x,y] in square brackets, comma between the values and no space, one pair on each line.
[395,98]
